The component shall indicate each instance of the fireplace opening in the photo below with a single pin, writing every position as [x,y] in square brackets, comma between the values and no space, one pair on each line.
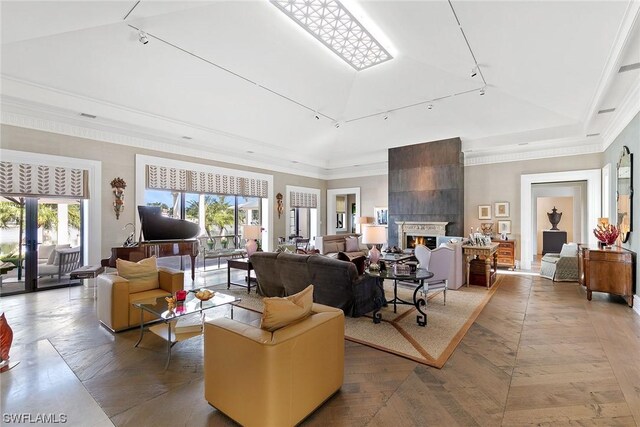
[428,241]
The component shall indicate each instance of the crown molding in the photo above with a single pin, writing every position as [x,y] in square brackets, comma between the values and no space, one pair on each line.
[628,109]
[612,66]
[53,126]
[471,159]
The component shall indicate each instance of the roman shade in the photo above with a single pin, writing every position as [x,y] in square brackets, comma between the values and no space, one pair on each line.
[175,179]
[31,180]
[299,199]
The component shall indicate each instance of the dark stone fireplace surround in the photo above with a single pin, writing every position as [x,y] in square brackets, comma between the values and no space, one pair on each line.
[426,185]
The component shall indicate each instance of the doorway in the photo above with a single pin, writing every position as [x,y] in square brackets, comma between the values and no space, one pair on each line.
[343,208]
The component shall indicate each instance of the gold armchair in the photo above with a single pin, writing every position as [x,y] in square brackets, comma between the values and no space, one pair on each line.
[116,296]
[290,372]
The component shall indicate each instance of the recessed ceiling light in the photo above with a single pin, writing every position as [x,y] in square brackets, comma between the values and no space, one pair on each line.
[523,143]
[186,137]
[606,110]
[592,135]
[89,116]
[335,27]
[249,152]
[294,161]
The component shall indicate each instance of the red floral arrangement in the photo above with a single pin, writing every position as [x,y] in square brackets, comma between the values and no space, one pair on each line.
[607,234]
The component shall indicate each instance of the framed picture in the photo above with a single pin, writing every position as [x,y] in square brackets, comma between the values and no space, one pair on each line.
[504,226]
[381,215]
[484,211]
[502,210]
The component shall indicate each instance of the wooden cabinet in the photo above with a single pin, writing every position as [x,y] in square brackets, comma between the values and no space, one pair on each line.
[608,270]
[506,253]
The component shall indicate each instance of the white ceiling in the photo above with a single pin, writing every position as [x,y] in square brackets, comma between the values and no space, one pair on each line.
[549,66]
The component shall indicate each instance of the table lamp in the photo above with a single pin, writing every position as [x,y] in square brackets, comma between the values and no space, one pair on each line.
[374,235]
[251,233]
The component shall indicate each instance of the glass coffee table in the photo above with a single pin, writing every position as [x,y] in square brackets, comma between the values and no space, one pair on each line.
[420,275]
[166,330]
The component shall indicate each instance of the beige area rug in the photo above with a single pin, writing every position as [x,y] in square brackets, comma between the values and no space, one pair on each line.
[399,333]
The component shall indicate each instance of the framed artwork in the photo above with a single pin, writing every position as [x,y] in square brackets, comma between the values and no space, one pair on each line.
[381,215]
[504,226]
[484,211]
[502,210]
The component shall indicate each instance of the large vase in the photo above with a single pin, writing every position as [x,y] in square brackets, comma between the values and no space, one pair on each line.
[554,218]
[6,338]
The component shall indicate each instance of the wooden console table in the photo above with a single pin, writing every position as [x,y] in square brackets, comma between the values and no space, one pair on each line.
[489,253]
[607,270]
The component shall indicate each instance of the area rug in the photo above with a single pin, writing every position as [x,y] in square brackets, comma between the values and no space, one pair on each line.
[399,333]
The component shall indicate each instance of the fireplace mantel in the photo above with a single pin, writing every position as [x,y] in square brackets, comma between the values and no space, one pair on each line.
[420,228]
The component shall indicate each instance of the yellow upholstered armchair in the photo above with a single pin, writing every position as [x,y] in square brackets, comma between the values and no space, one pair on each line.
[289,372]
[134,282]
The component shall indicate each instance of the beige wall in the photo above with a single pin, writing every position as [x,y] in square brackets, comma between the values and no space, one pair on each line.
[119,160]
[545,205]
[374,191]
[500,182]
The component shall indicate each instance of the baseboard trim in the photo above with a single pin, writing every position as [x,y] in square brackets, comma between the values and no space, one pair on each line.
[636,304]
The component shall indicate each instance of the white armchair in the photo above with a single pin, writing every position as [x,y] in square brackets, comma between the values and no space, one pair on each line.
[441,262]
[60,262]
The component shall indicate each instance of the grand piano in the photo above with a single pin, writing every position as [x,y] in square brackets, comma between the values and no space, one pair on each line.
[162,237]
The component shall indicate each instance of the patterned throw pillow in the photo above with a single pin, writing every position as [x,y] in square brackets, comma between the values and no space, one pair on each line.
[351,244]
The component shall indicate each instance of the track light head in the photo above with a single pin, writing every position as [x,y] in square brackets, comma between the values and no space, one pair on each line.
[483,90]
[430,107]
[316,116]
[142,37]
[385,116]
[336,125]
[474,71]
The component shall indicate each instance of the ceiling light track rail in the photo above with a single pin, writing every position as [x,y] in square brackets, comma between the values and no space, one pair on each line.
[220,67]
[131,10]
[466,40]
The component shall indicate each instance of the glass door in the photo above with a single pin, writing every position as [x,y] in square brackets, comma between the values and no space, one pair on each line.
[42,239]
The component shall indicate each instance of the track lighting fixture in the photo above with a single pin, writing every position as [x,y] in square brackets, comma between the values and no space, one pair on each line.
[142,36]
[316,116]
[474,71]
[430,107]
[386,116]
[336,125]
[483,90]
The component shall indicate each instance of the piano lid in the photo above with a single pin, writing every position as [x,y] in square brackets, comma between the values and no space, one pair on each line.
[158,227]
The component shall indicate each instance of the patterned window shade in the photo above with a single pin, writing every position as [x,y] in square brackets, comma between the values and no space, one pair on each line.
[27,180]
[298,199]
[160,177]
[163,178]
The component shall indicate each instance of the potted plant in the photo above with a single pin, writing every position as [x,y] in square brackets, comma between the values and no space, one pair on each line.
[224,242]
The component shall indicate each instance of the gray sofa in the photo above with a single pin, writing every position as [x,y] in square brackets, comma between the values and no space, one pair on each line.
[336,283]
[332,244]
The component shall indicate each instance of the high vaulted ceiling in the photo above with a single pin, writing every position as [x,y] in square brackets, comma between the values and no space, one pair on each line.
[243,82]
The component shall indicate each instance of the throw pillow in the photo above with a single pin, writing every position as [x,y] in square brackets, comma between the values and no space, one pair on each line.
[351,244]
[569,250]
[142,275]
[358,261]
[54,256]
[280,312]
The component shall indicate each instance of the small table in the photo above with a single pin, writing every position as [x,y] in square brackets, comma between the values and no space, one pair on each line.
[240,264]
[85,272]
[419,275]
[159,308]
[490,253]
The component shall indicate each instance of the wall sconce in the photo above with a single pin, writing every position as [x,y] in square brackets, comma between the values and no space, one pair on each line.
[279,203]
[118,186]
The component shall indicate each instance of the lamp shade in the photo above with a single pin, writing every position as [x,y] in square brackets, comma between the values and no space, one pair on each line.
[374,234]
[251,232]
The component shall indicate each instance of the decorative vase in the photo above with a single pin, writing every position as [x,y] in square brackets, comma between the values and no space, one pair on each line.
[554,218]
[6,338]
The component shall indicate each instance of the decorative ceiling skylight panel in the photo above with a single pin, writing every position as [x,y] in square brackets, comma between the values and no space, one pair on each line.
[333,25]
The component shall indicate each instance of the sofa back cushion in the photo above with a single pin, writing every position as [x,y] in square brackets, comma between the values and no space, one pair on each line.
[280,312]
[293,272]
[54,256]
[142,275]
[264,264]
[351,244]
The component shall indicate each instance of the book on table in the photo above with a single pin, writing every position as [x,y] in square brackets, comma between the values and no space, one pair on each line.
[189,324]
